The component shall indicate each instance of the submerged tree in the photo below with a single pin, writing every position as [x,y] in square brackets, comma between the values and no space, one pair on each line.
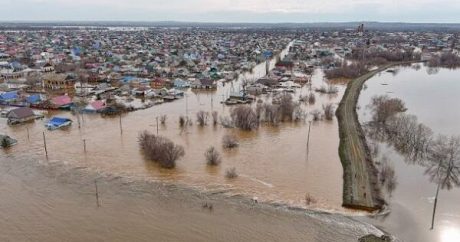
[444,165]
[212,156]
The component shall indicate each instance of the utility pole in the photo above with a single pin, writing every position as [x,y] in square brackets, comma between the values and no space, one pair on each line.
[157,124]
[44,144]
[97,194]
[308,138]
[84,145]
[121,126]
[28,136]
[186,105]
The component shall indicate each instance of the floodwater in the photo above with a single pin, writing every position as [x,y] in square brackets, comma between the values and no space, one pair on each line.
[431,95]
[272,164]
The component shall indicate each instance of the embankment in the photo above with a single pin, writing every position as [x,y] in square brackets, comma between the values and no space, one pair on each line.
[360,186]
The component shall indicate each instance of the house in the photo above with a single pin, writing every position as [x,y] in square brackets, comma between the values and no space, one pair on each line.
[203,84]
[9,97]
[95,106]
[63,101]
[20,115]
[48,68]
[59,82]
[34,99]
[267,82]
[179,83]
[58,122]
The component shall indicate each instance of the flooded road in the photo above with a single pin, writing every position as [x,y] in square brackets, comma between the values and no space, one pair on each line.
[433,97]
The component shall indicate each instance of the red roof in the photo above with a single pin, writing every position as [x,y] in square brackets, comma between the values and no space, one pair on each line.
[61,100]
[98,105]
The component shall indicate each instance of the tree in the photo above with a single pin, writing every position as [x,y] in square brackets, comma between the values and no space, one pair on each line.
[444,165]
[160,149]
[202,118]
[244,117]
[212,156]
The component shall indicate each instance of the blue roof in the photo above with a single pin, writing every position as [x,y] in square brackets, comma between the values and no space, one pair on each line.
[9,95]
[56,121]
[33,99]
[128,78]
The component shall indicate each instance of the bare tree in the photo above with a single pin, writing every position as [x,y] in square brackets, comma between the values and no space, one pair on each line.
[383,107]
[160,149]
[215,117]
[444,166]
[286,107]
[316,115]
[231,173]
[229,141]
[328,111]
[182,121]
[163,119]
[202,118]
[245,118]
[311,98]
[212,156]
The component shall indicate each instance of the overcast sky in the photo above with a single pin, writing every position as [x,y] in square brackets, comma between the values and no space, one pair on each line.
[233,10]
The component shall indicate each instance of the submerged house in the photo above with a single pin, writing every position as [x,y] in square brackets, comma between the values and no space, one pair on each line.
[9,97]
[95,106]
[204,84]
[20,115]
[61,102]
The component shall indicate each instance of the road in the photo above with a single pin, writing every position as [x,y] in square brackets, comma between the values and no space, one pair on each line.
[361,190]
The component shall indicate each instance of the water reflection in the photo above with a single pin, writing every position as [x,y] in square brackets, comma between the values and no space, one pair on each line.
[450,234]
[405,142]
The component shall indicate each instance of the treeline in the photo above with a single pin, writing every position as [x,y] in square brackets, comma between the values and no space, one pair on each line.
[447,60]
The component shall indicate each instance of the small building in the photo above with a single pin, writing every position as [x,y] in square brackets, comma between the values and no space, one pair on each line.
[95,106]
[9,97]
[58,82]
[48,68]
[204,83]
[20,115]
[62,102]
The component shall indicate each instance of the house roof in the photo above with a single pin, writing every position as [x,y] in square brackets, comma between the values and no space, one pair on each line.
[96,105]
[34,98]
[61,100]
[9,95]
[23,112]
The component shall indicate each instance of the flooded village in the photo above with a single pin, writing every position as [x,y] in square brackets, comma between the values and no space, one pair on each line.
[266,125]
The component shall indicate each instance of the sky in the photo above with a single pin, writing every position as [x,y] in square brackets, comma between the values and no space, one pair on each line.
[258,11]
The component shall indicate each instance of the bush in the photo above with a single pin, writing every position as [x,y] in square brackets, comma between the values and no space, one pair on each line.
[212,156]
[316,114]
[244,117]
[286,107]
[181,121]
[231,173]
[311,98]
[328,111]
[383,107]
[229,141]
[163,119]
[160,149]
[346,71]
[215,117]
[202,118]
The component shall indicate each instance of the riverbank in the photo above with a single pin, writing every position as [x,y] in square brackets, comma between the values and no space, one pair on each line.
[360,187]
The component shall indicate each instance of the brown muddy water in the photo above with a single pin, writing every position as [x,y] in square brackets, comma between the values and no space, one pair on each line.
[54,198]
[433,96]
